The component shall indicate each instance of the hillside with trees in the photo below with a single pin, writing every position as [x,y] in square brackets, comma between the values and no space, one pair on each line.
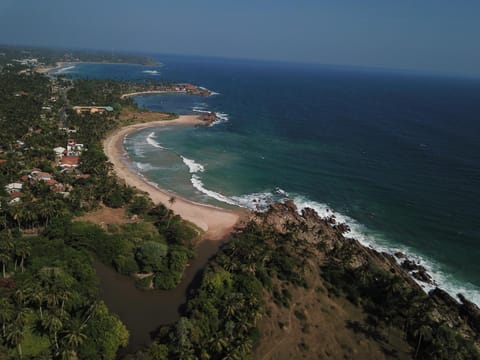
[290,285]
[50,305]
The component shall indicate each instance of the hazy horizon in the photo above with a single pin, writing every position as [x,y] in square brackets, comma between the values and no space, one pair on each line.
[432,36]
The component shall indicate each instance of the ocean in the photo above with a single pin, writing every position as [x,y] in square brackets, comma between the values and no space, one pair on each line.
[394,154]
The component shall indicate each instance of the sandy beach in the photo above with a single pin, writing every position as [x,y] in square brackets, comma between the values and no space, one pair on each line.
[58,66]
[216,222]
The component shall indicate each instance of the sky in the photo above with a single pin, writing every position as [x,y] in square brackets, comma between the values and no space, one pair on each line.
[433,35]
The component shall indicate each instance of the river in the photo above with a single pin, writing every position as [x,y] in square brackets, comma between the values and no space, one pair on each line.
[143,311]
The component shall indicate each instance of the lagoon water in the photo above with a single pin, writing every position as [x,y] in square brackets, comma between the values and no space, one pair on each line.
[396,155]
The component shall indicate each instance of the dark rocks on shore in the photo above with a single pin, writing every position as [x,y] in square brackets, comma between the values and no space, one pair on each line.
[342,228]
[417,271]
[209,117]
[470,312]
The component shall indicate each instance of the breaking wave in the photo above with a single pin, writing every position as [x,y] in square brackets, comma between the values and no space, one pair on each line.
[65,69]
[220,116]
[193,166]
[144,166]
[151,72]
[150,140]
[198,184]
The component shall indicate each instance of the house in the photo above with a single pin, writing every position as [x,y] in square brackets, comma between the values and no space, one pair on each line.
[40,176]
[13,187]
[15,197]
[74,149]
[59,150]
[69,162]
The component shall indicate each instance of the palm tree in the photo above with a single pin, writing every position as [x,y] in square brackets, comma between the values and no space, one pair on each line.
[52,324]
[171,201]
[15,335]
[73,335]
[424,331]
[4,258]
[6,313]
[22,250]
[6,247]
[38,297]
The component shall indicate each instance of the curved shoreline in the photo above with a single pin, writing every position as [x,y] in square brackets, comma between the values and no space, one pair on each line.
[147,92]
[216,222]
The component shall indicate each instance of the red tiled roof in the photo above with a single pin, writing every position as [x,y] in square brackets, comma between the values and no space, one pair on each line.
[69,160]
[15,194]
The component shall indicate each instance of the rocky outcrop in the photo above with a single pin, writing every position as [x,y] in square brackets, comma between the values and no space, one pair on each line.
[417,271]
[313,228]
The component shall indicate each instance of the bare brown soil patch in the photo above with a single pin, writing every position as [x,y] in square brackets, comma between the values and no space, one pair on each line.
[133,116]
[107,216]
[316,326]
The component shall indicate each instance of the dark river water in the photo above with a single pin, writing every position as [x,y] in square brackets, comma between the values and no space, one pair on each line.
[143,311]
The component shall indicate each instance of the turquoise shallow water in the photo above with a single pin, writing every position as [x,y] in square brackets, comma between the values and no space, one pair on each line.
[395,155]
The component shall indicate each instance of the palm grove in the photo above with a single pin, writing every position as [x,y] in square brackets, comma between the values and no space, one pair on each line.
[50,306]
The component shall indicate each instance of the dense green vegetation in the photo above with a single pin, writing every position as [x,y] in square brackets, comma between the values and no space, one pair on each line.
[50,307]
[48,288]
[221,317]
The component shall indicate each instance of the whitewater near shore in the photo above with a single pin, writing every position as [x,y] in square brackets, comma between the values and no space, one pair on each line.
[216,222]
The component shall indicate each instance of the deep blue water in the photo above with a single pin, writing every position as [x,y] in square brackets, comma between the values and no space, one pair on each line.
[395,154]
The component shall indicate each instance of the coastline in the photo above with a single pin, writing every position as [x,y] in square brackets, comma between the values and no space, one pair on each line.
[216,222]
[61,64]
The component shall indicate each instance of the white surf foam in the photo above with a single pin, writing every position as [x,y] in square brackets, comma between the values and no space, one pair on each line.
[221,118]
[193,166]
[65,69]
[200,109]
[260,201]
[151,72]
[198,184]
[144,166]
[152,142]
[375,241]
